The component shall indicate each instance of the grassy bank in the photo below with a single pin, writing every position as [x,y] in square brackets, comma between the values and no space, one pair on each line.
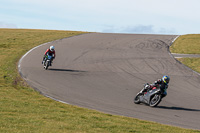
[188,44]
[24,110]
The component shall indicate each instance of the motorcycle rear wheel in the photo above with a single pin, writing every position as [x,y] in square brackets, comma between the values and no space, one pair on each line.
[155,100]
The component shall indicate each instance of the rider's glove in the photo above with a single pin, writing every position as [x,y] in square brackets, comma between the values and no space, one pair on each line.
[147,86]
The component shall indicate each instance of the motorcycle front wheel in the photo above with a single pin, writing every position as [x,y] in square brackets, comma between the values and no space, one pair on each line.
[137,98]
[155,100]
[46,65]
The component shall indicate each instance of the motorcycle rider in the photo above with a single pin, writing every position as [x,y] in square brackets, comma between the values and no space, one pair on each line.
[50,51]
[162,83]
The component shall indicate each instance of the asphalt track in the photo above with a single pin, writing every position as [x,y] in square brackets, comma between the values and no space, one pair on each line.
[105,71]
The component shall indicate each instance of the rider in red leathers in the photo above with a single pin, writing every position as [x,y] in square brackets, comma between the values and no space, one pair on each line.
[50,51]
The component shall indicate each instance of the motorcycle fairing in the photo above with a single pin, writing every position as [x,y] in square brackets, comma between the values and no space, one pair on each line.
[146,97]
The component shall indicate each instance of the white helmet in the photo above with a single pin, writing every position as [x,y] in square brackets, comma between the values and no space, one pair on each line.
[52,48]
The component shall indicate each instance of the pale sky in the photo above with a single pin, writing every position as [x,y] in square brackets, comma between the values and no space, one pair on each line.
[109,16]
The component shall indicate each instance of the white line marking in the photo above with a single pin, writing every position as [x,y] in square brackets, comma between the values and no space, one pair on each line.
[19,64]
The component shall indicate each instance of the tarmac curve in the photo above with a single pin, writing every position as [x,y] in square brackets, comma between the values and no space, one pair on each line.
[105,71]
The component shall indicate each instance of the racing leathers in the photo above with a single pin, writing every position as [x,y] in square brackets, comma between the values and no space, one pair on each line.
[159,84]
[49,52]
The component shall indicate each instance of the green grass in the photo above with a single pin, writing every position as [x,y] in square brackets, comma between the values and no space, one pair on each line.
[24,110]
[193,63]
[188,44]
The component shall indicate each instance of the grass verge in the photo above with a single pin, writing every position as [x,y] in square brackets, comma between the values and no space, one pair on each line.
[188,44]
[24,110]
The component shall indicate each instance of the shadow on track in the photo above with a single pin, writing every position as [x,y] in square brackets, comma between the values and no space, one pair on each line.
[66,70]
[177,108]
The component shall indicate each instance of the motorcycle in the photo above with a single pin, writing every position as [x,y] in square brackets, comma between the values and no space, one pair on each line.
[47,61]
[150,97]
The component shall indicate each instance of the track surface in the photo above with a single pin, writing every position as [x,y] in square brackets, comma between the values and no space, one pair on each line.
[105,71]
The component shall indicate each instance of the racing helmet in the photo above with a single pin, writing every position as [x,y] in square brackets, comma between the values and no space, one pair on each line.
[52,48]
[165,79]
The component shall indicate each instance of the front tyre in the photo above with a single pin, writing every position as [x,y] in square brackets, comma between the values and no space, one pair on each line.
[155,100]
[46,65]
[137,98]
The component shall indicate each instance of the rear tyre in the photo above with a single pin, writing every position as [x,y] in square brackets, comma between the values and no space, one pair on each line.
[155,100]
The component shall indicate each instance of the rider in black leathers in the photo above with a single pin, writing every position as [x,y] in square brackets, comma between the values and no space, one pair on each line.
[162,83]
